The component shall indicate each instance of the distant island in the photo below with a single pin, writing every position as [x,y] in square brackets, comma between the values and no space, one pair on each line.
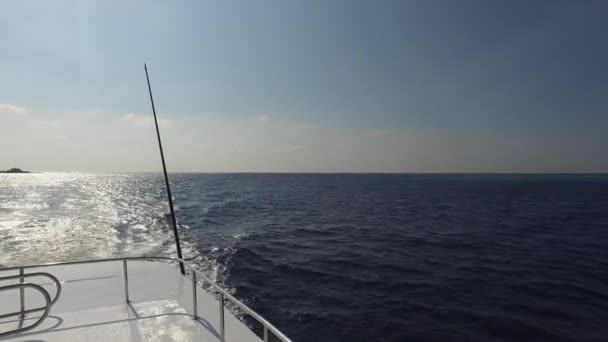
[14,170]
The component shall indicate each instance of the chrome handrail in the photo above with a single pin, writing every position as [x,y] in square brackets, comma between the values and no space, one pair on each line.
[22,276]
[46,307]
[268,327]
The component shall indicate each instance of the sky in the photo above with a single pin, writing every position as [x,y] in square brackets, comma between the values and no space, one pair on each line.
[305,86]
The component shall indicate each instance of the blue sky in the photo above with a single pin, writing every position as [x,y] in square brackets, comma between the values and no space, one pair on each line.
[397,86]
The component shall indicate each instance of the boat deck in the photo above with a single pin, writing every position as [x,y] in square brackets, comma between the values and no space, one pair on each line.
[92,306]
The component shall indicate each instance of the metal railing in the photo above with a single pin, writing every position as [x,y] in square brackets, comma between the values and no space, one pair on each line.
[223,294]
[22,275]
[46,308]
[22,286]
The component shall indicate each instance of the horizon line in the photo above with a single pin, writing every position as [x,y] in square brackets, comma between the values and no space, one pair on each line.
[347,172]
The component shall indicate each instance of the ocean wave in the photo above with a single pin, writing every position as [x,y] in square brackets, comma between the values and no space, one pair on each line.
[349,257]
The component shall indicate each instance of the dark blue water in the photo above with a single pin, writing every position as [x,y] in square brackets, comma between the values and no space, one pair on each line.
[351,257]
[414,257]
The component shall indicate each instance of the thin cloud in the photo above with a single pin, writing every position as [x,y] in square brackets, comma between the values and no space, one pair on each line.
[263,118]
[51,129]
[297,148]
[46,124]
[306,127]
[10,109]
[379,132]
[136,120]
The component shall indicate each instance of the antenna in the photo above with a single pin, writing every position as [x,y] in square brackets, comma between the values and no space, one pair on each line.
[162,158]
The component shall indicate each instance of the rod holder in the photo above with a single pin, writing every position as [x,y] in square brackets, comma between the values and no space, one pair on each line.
[126,277]
[194,301]
[222,326]
[21,293]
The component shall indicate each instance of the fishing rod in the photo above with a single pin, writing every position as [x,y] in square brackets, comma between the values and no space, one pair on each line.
[162,158]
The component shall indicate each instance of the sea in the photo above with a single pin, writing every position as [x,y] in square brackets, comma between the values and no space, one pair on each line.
[348,257]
